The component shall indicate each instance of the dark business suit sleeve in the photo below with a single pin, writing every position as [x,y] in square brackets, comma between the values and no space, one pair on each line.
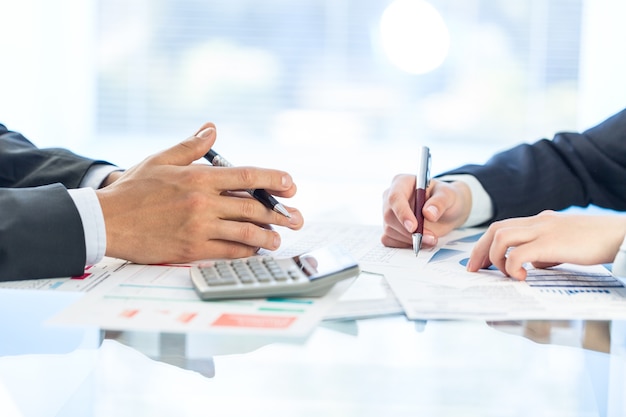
[572,169]
[41,234]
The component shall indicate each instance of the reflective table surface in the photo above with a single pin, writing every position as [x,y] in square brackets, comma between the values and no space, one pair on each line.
[386,366]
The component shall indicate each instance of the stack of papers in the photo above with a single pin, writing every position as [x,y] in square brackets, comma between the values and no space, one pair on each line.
[119,295]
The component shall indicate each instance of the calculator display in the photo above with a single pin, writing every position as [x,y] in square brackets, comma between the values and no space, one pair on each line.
[322,262]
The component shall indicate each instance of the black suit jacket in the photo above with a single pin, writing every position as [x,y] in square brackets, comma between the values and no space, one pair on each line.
[572,169]
[41,234]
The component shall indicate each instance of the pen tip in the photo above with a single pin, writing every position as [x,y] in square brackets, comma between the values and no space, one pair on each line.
[417,242]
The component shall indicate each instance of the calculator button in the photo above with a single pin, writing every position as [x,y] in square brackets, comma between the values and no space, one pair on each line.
[209,273]
[218,275]
[216,281]
[231,280]
[247,279]
[263,277]
[213,282]
[277,272]
[247,271]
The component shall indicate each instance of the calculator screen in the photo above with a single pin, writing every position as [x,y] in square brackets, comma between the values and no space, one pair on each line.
[323,262]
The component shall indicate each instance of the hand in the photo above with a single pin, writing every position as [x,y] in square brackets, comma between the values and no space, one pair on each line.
[167,209]
[111,178]
[447,207]
[548,239]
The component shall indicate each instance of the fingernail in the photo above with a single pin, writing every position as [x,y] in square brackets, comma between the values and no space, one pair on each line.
[206,133]
[276,241]
[294,219]
[469,265]
[408,225]
[429,240]
[285,181]
[433,211]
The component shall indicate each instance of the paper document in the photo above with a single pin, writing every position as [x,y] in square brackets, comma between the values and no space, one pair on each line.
[93,276]
[439,287]
[162,298]
[370,295]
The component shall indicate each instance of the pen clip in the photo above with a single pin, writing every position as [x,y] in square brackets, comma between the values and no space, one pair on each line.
[428,170]
[423,169]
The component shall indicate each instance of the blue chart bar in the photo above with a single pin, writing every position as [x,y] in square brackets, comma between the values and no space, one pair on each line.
[443,254]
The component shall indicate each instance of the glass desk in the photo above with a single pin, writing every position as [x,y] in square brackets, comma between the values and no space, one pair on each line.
[385,366]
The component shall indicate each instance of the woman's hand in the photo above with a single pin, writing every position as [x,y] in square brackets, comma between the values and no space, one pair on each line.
[548,239]
[447,207]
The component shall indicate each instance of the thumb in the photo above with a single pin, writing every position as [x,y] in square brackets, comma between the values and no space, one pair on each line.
[190,149]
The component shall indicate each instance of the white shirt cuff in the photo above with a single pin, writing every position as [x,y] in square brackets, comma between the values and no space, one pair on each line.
[97,174]
[90,211]
[482,207]
[619,264]
[91,215]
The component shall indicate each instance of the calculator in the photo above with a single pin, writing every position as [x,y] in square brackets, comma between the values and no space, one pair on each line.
[310,274]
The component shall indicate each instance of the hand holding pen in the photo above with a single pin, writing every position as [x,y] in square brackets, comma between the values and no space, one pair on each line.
[421,183]
[446,208]
[259,194]
[168,209]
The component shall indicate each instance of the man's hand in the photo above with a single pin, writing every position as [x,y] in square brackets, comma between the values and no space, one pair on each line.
[167,209]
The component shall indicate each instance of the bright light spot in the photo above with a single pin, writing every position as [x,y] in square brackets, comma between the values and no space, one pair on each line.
[414,36]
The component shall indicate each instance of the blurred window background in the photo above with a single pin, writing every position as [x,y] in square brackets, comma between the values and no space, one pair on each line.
[337,92]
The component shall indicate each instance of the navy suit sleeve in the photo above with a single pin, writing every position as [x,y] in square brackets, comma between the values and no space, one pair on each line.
[572,169]
[41,234]
[22,164]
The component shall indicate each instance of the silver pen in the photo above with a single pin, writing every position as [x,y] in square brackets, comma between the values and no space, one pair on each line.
[421,183]
[259,194]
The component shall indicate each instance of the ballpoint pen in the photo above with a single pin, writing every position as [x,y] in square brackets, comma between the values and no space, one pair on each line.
[421,183]
[259,194]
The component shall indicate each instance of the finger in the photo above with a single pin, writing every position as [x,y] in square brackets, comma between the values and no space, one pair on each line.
[221,249]
[244,178]
[402,241]
[530,249]
[395,243]
[246,233]
[437,203]
[295,222]
[243,208]
[479,257]
[190,149]
[516,259]
[399,201]
[512,247]
[391,221]
[395,234]
[429,239]
[544,265]
[293,189]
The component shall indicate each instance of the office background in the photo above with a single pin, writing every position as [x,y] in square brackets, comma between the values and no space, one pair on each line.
[338,92]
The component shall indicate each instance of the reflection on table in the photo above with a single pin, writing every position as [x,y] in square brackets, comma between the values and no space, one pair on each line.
[385,366]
